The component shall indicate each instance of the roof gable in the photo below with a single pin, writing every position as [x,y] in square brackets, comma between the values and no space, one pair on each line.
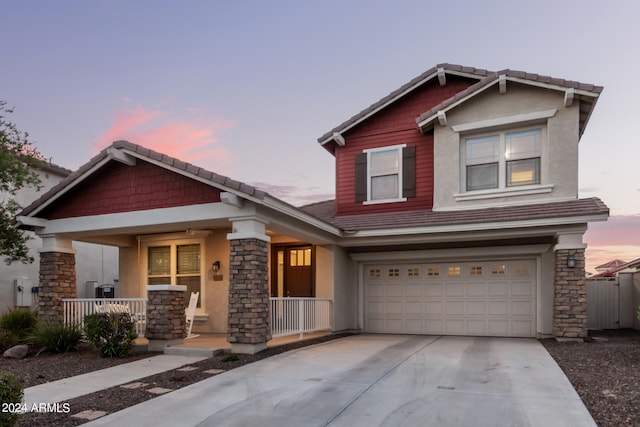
[585,94]
[117,188]
[439,72]
[124,154]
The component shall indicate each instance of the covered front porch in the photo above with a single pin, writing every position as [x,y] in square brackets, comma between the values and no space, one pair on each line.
[180,230]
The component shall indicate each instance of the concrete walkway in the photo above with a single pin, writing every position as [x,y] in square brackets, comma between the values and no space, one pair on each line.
[378,380]
[69,388]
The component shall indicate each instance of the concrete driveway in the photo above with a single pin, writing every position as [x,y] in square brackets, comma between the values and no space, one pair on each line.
[379,380]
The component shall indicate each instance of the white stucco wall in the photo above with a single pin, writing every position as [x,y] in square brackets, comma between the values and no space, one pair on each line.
[560,143]
[336,278]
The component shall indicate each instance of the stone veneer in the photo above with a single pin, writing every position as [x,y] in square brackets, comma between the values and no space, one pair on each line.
[166,320]
[249,326]
[57,281]
[570,296]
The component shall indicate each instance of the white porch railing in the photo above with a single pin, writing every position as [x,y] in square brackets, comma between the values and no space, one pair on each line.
[291,316]
[75,309]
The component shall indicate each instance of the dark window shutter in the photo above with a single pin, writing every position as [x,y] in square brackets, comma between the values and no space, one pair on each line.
[409,172]
[361,177]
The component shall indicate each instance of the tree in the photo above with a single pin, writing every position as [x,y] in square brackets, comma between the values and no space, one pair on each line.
[19,162]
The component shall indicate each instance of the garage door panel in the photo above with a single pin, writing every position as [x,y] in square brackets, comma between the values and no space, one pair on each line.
[434,308]
[395,290]
[454,308]
[464,298]
[476,290]
[498,289]
[476,308]
[414,290]
[414,326]
[521,289]
[454,327]
[394,308]
[498,327]
[476,327]
[522,308]
[376,290]
[498,308]
[413,307]
[454,289]
[434,290]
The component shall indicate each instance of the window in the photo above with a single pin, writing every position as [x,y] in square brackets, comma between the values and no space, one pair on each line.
[433,271]
[385,174]
[300,257]
[176,264]
[501,160]
[454,271]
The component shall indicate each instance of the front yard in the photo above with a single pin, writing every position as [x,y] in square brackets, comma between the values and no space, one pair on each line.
[605,371]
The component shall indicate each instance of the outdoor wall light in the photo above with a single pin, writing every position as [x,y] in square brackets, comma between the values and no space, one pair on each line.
[215,266]
[571,261]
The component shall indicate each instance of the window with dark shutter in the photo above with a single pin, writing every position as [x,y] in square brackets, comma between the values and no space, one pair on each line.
[385,174]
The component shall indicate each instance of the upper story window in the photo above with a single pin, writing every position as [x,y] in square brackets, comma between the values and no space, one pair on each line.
[385,174]
[503,159]
[385,181]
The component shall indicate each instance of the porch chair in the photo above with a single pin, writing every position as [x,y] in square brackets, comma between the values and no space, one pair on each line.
[190,313]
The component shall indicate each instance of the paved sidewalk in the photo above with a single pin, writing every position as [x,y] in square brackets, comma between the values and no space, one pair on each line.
[69,388]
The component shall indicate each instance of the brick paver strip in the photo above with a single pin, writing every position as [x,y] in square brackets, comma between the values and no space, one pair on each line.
[187,369]
[89,414]
[134,385]
[214,371]
[159,390]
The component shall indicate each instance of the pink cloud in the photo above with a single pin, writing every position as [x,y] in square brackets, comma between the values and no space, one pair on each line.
[189,137]
[618,238]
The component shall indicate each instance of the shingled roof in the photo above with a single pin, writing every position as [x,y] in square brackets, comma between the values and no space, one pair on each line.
[590,93]
[426,218]
[485,79]
[143,153]
[431,73]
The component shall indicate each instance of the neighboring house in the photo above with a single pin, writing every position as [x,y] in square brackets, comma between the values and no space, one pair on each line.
[456,212]
[610,265]
[616,267]
[94,263]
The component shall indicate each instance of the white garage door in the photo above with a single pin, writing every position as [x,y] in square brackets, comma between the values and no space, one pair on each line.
[465,298]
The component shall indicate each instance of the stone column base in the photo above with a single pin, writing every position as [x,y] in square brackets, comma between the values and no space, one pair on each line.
[248,348]
[159,345]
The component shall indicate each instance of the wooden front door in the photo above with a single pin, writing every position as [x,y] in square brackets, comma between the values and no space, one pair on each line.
[292,271]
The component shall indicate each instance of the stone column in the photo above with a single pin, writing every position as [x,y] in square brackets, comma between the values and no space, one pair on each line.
[165,319]
[57,278]
[570,290]
[249,325]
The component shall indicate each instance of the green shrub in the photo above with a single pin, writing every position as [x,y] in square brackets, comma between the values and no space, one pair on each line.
[19,321]
[11,393]
[111,333]
[58,338]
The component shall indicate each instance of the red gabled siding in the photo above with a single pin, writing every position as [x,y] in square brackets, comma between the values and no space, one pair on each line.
[391,126]
[119,188]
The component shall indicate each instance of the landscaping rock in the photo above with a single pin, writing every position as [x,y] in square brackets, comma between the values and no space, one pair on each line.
[17,352]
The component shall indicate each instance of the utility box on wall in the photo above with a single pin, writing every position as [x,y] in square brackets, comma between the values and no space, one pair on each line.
[22,291]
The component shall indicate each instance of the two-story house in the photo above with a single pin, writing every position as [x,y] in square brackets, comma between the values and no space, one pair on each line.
[456,212]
